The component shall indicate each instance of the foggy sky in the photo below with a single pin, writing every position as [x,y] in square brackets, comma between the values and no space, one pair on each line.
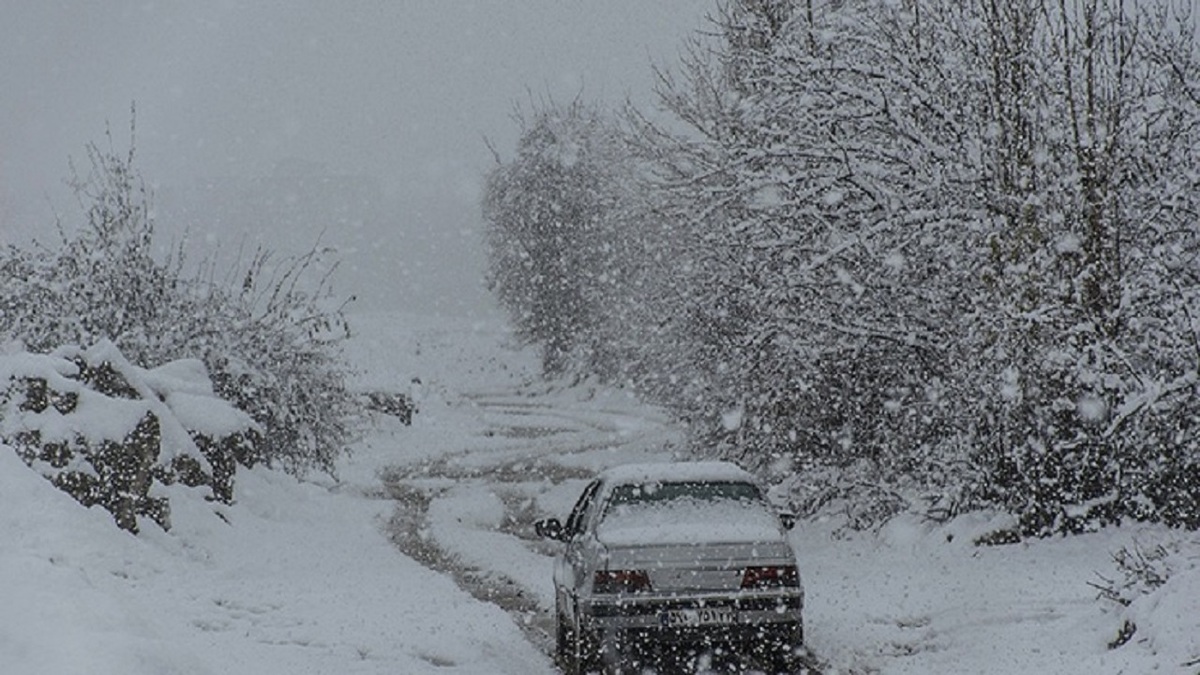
[269,120]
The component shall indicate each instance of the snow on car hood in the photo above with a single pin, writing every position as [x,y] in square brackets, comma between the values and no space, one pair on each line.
[689,522]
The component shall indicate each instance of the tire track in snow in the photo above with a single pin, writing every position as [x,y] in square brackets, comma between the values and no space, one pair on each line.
[561,440]
[563,445]
[412,531]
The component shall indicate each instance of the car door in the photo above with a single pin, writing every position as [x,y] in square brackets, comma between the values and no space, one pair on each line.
[568,567]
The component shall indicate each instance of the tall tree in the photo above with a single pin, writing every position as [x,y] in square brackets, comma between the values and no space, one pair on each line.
[546,212]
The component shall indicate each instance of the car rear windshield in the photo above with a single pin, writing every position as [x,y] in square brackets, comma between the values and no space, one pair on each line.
[701,491]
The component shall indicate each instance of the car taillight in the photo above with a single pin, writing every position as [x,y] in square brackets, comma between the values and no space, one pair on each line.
[621,581]
[772,576]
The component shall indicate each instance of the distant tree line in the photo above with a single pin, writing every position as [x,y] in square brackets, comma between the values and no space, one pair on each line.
[915,252]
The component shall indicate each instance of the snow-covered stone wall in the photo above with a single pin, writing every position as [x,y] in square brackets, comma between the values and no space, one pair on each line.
[108,432]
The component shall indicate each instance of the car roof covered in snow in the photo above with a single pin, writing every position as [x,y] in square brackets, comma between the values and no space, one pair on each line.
[666,472]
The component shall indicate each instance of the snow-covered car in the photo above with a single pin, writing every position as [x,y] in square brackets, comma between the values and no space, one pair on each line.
[663,561]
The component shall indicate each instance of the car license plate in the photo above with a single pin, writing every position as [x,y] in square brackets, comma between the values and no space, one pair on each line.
[703,616]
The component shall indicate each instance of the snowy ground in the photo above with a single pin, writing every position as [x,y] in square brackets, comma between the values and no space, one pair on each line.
[419,558]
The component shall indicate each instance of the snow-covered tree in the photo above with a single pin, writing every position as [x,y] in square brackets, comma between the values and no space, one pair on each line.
[939,233]
[1092,269]
[553,258]
[926,247]
[820,144]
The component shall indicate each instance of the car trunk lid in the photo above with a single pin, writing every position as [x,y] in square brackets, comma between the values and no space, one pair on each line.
[699,567]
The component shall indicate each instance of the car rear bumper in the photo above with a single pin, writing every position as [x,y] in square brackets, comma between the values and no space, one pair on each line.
[648,611]
[773,620]
[769,643]
[780,633]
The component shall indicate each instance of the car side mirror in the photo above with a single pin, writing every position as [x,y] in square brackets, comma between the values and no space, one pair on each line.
[549,528]
[787,519]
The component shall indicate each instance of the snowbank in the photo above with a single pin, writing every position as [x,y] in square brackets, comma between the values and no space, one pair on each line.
[291,579]
[917,598]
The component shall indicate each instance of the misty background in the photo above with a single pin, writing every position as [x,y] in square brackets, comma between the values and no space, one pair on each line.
[278,123]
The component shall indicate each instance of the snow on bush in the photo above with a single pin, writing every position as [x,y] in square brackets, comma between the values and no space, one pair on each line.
[269,341]
[108,432]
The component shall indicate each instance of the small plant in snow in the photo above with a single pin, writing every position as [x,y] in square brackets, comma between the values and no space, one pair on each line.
[1147,581]
[1140,571]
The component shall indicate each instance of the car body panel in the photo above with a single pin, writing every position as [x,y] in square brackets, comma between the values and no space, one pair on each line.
[693,552]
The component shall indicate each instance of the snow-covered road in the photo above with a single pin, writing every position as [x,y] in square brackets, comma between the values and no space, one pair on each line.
[349,576]
[913,597]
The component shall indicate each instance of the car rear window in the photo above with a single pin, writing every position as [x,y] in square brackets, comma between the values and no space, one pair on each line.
[702,491]
[646,513]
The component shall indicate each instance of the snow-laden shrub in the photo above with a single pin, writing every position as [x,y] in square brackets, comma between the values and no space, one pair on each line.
[1069,456]
[108,432]
[269,340]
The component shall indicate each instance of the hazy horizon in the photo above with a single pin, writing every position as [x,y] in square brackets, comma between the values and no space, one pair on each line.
[268,122]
